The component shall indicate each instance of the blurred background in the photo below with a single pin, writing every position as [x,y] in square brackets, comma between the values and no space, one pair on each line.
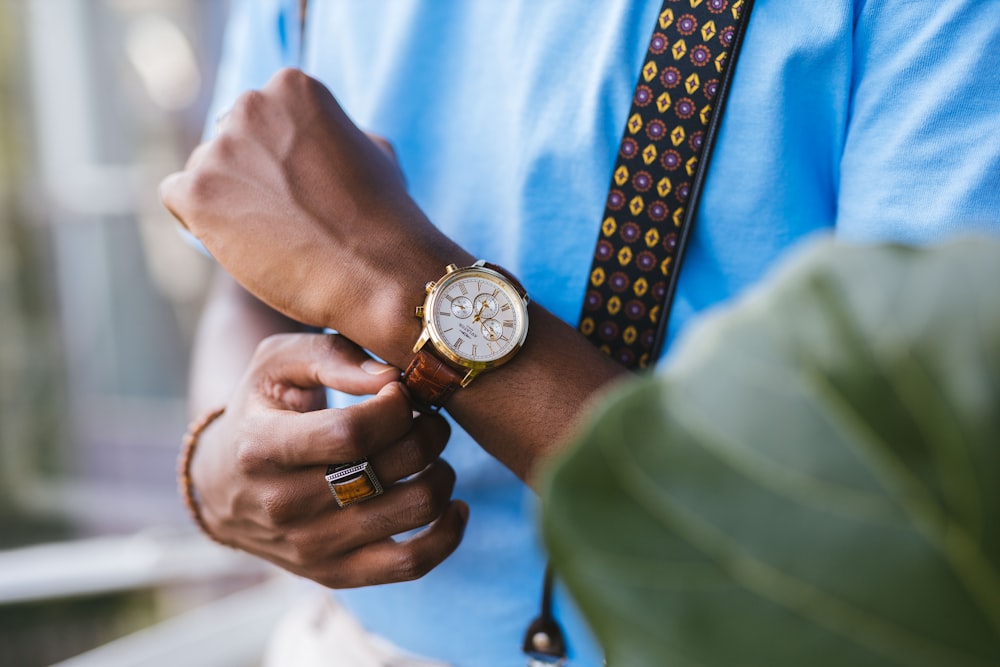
[99,99]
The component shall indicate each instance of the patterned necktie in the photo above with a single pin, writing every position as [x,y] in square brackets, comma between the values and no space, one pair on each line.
[657,178]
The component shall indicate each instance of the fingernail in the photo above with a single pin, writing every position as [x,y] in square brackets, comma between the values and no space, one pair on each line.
[373,367]
[463,511]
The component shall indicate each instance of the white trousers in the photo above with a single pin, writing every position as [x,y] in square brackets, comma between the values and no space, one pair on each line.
[321,633]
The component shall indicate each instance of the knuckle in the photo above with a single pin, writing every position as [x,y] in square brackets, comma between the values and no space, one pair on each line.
[195,192]
[270,348]
[276,506]
[287,77]
[223,149]
[349,433]
[378,523]
[252,455]
[248,105]
[410,565]
[307,551]
[248,456]
[424,504]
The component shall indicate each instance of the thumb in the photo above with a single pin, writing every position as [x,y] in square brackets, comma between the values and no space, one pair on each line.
[309,361]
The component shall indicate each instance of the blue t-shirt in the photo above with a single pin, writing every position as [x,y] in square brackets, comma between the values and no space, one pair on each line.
[876,119]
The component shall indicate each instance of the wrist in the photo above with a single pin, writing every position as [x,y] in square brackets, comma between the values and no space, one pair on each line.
[386,323]
[185,469]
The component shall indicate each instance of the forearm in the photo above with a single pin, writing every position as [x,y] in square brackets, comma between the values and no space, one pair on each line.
[232,324]
[523,411]
[313,218]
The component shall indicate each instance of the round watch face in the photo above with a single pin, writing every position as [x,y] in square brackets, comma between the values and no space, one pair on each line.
[476,318]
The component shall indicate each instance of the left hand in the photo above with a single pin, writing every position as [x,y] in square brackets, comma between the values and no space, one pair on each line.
[309,214]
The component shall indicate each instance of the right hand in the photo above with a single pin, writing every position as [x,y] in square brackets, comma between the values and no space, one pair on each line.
[259,469]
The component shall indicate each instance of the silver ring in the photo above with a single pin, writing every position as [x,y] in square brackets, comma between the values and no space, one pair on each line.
[352,482]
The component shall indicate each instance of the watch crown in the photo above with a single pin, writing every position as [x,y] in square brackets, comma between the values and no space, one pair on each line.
[451,268]
[419,312]
[429,286]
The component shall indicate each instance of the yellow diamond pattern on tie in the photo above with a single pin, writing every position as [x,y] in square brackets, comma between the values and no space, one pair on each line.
[650,71]
[705,114]
[656,173]
[597,277]
[621,175]
[679,49]
[634,123]
[649,155]
[692,84]
[636,205]
[624,256]
[677,135]
[664,187]
[663,102]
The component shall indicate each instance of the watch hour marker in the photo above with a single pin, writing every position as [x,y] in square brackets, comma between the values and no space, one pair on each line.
[463,288]
[506,306]
[444,314]
[474,350]
[496,291]
[509,323]
[449,297]
[458,343]
[448,329]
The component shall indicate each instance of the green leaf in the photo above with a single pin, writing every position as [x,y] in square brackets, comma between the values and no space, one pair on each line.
[814,479]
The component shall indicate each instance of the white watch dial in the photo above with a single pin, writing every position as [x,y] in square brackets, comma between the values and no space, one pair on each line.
[476,317]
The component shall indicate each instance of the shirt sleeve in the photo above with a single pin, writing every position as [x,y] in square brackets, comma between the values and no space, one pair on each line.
[921,158]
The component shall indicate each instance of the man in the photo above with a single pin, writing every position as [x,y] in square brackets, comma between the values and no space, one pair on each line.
[872,120]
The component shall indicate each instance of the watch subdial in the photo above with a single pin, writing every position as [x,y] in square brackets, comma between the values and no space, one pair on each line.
[492,330]
[461,307]
[486,307]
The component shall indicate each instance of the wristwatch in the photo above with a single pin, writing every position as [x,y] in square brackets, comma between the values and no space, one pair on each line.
[475,319]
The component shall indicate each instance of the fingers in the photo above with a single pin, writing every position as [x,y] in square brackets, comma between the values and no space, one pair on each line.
[406,505]
[388,561]
[179,190]
[169,190]
[422,444]
[384,145]
[341,435]
[300,496]
[320,360]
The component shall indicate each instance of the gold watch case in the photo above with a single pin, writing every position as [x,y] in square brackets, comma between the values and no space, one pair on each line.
[474,317]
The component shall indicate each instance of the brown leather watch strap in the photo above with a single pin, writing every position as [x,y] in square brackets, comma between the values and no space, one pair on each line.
[430,380]
[515,283]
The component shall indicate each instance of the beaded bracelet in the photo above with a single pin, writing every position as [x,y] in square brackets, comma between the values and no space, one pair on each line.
[185,487]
